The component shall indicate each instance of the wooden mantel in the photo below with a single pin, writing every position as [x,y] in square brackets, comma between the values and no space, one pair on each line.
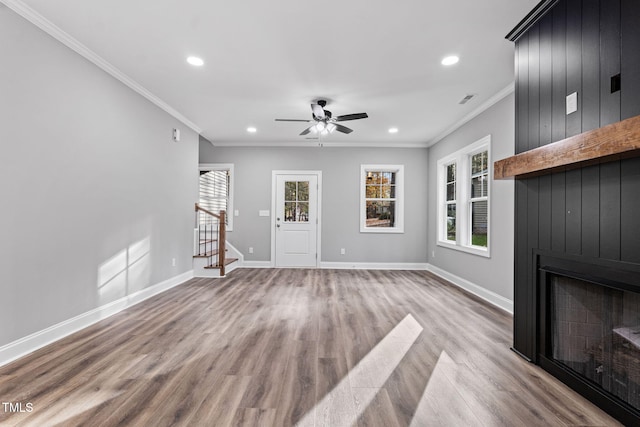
[611,142]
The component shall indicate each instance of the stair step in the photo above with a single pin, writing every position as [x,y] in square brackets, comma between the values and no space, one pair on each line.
[207,254]
[227,261]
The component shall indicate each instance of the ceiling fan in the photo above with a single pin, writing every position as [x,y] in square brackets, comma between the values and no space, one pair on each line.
[325,123]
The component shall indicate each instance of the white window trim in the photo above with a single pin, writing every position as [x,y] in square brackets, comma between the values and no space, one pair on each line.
[463,217]
[399,170]
[222,167]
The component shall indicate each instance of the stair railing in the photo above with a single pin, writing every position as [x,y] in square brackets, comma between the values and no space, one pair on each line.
[211,236]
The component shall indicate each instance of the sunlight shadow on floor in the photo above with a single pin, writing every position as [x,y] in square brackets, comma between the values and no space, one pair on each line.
[339,407]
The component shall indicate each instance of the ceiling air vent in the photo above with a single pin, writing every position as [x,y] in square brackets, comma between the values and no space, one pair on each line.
[466,99]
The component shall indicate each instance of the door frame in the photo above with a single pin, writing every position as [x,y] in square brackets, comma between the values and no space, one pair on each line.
[274,175]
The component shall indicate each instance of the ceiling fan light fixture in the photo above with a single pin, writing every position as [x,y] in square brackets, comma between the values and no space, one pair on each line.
[330,127]
[252,129]
[393,130]
[320,126]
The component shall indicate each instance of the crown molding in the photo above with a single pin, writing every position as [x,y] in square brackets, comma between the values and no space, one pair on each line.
[63,37]
[531,19]
[481,109]
[316,144]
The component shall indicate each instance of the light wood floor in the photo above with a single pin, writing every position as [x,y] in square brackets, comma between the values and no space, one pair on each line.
[282,347]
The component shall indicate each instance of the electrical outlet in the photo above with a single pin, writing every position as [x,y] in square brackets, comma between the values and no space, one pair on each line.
[433,254]
[173,262]
[343,251]
[250,250]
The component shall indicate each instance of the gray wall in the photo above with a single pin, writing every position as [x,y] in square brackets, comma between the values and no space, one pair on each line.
[496,273]
[96,198]
[340,199]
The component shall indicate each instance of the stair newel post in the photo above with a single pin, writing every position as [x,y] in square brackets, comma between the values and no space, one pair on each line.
[221,242]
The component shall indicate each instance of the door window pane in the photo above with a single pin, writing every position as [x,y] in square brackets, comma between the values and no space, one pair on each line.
[290,190]
[296,203]
[303,190]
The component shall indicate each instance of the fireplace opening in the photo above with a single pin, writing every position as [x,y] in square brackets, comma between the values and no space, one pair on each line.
[595,332]
[589,330]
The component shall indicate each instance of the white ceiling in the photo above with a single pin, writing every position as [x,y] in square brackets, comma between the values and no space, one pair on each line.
[270,59]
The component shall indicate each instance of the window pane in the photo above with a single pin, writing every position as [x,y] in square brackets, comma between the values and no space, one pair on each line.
[385,192]
[380,214]
[303,190]
[451,191]
[290,190]
[451,222]
[303,212]
[373,177]
[388,177]
[479,223]
[373,191]
[479,186]
[290,211]
[451,172]
[479,162]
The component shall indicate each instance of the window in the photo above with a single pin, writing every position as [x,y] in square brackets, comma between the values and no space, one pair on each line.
[216,185]
[463,198]
[381,198]
[451,202]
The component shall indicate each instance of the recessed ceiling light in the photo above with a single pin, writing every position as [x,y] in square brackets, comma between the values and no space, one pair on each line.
[450,60]
[393,130]
[195,61]
[251,129]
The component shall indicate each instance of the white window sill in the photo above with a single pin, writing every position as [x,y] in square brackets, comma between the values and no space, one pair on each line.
[382,230]
[473,250]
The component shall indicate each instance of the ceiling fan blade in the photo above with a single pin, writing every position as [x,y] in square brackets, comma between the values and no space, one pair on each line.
[292,120]
[318,111]
[342,129]
[307,130]
[352,117]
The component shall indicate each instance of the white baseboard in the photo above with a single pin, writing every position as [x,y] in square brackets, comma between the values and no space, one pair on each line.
[37,340]
[375,265]
[487,295]
[256,264]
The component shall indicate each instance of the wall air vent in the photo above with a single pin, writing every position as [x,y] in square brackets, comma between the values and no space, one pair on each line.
[466,99]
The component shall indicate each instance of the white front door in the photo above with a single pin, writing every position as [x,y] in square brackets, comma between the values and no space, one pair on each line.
[296,220]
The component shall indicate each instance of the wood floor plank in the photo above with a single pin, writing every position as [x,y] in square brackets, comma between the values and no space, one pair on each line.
[374,407]
[336,401]
[281,347]
[298,397]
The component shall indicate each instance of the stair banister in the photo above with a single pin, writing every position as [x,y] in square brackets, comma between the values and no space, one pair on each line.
[221,232]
